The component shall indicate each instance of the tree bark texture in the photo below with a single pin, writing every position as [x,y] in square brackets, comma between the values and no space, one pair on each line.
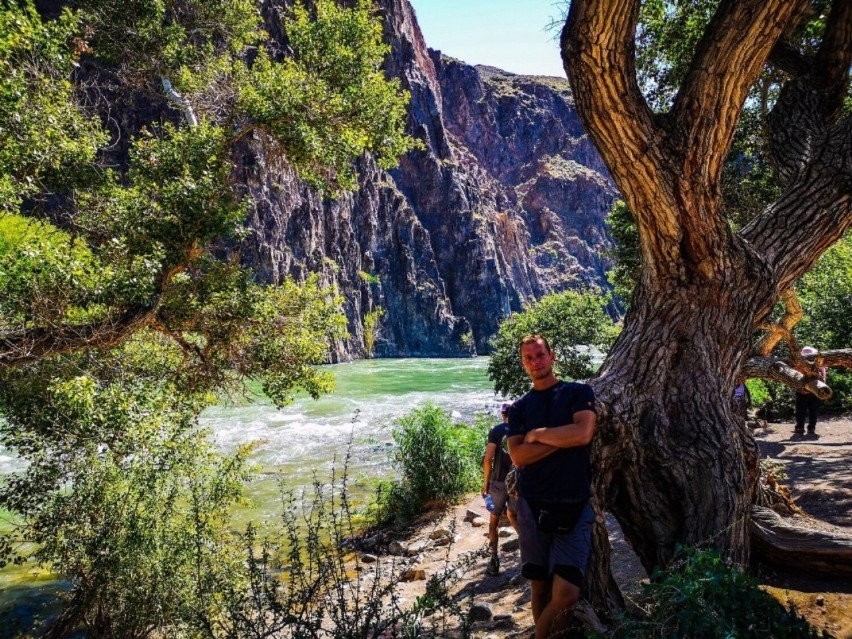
[674,464]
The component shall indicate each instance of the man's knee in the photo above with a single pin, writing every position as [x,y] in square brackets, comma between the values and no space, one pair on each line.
[564,592]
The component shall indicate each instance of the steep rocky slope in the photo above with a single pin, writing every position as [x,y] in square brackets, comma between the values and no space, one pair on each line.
[504,203]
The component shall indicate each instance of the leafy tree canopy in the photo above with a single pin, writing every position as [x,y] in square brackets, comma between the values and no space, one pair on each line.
[122,124]
[572,322]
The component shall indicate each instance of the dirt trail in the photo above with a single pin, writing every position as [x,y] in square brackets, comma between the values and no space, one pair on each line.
[819,475]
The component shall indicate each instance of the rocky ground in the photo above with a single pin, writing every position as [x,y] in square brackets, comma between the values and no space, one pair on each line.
[818,472]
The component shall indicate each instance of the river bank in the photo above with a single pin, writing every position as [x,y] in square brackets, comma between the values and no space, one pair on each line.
[819,475]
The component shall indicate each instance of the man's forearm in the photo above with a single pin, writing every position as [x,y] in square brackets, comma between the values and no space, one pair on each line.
[578,433]
[524,454]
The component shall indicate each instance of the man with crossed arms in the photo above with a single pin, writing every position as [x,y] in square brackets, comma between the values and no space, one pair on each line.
[550,430]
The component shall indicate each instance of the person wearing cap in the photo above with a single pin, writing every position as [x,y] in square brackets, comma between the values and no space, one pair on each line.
[495,466]
[807,404]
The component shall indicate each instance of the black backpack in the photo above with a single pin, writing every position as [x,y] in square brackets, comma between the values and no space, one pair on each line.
[502,462]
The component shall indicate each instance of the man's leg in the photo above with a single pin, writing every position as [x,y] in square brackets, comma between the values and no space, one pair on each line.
[801,412]
[513,520]
[813,413]
[534,557]
[493,567]
[563,596]
[497,490]
[540,591]
[569,556]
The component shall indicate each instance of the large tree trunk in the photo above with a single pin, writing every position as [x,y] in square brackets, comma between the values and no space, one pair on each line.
[673,462]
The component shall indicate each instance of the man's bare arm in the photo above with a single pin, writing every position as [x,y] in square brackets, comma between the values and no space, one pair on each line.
[578,433]
[486,465]
[525,453]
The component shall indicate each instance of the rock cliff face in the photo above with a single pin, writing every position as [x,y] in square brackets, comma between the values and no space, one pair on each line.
[505,203]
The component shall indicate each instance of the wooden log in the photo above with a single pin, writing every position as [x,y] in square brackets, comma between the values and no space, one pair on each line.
[786,544]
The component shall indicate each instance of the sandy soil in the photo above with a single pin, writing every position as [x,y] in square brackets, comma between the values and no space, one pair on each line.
[819,474]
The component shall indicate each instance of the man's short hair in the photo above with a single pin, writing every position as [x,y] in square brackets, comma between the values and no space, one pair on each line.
[532,339]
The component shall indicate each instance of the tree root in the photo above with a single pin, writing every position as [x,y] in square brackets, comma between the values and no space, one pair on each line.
[781,542]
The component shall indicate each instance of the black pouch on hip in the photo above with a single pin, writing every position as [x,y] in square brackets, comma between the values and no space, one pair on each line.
[555,517]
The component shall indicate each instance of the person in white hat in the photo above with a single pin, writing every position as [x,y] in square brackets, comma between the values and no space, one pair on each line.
[808,404]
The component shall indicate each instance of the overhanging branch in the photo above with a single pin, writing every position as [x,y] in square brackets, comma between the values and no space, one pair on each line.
[778,370]
[25,347]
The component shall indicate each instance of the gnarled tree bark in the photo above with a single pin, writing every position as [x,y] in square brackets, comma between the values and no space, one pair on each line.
[674,464]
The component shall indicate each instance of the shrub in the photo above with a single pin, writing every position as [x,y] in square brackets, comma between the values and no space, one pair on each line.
[701,596]
[304,585]
[571,321]
[436,459]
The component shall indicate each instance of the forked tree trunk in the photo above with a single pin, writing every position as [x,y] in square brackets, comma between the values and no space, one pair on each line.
[673,463]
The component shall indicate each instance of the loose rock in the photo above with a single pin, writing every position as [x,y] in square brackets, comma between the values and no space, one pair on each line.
[440,533]
[480,611]
[367,558]
[479,522]
[415,574]
[511,545]
[505,532]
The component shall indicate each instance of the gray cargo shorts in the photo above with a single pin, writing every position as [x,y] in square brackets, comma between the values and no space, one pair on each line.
[502,500]
[545,554]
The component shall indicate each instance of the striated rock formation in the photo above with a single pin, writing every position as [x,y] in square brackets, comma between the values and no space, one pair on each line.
[505,203]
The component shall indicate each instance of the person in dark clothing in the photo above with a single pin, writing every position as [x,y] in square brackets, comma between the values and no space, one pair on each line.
[808,404]
[495,466]
[550,431]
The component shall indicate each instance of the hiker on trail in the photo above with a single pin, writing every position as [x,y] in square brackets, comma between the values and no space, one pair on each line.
[808,404]
[742,399]
[495,466]
[550,431]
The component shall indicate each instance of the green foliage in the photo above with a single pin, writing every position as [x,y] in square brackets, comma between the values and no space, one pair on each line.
[122,493]
[825,293]
[628,260]
[666,40]
[369,278]
[371,329]
[436,459]
[45,135]
[701,596]
[572,322]
[331,102]
[115,274]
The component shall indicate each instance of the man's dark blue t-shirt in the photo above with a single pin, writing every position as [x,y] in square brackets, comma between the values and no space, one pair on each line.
[565,474]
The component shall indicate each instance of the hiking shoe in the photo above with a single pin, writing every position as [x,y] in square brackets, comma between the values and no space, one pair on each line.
[799,432]
[493,567]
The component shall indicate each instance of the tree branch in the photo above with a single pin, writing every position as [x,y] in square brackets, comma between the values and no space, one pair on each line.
[778,370]
[793,313]
[598,54]
[37,343]
[831,68]
[726,64]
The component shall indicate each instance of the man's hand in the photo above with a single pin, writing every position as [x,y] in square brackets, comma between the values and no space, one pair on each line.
[532,436]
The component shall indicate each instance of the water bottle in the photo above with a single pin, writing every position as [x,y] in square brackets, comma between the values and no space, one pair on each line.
[489,503]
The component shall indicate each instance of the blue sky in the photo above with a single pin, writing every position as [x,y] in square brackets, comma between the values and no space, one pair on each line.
[509,34]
